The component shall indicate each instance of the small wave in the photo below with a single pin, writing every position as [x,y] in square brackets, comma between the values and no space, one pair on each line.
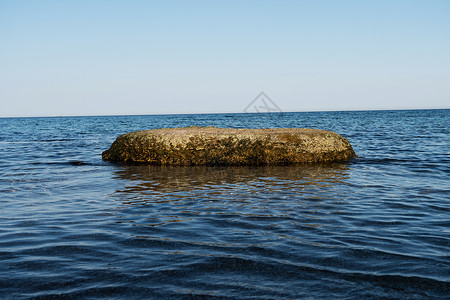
[384,161]
[58,140]
[65,163]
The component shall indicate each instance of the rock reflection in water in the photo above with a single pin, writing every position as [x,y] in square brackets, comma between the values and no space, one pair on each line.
[168,179]
[173,180]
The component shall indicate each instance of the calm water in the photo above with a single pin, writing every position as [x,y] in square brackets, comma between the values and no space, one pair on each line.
[72,226]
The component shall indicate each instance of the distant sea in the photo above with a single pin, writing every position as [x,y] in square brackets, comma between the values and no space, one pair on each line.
[73,226]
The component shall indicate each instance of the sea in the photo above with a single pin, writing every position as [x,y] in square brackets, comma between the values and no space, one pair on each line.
[75,227]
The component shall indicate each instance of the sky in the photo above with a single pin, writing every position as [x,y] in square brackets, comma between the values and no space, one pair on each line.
[115,57]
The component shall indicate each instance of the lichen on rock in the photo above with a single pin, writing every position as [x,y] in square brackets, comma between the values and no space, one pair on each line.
[225,146]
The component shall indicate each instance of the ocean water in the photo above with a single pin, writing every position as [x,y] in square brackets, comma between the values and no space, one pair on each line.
[73,226]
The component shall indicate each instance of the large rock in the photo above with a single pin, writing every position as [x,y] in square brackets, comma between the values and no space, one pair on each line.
[225,146]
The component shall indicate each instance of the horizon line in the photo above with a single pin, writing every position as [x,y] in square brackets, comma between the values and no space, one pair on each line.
[218,113]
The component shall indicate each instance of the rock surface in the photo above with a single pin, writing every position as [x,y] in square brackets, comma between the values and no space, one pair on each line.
[226,146]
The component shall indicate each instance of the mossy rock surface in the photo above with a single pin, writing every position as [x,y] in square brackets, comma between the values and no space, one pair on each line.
[226,146]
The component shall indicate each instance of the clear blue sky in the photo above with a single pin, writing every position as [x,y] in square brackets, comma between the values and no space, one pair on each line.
[150,57]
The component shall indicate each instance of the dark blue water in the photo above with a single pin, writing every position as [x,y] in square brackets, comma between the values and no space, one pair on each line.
[72,226]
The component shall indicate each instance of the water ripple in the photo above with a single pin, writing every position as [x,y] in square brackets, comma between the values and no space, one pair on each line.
[73,226]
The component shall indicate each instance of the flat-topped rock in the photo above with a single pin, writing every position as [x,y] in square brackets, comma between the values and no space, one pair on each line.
[226,146]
